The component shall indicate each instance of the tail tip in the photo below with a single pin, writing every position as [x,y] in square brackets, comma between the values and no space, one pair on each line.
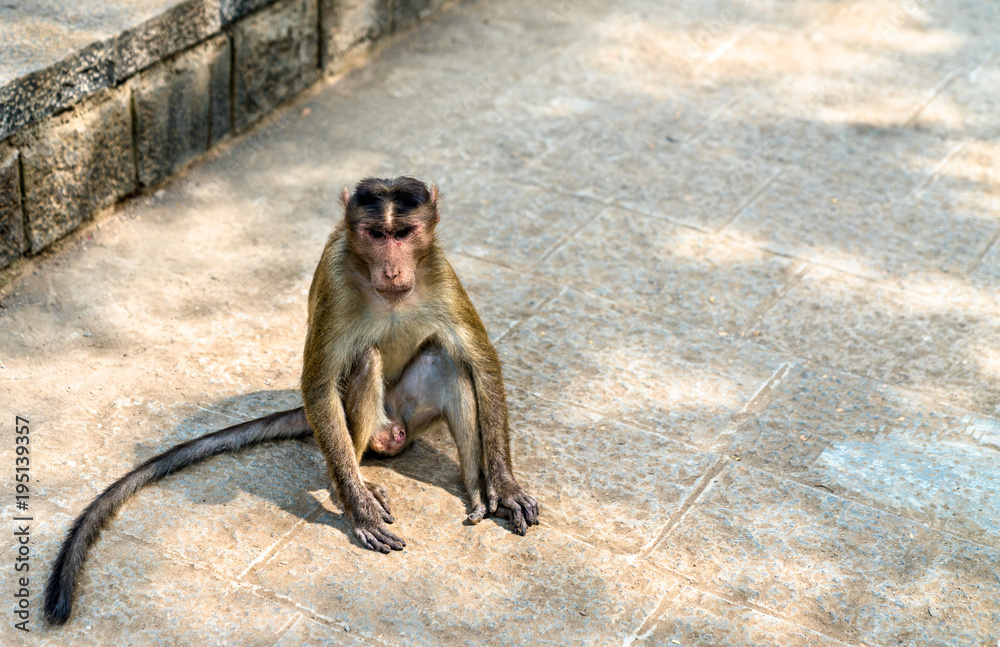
[57,611]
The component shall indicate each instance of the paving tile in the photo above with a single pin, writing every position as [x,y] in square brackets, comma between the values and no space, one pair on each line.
[309,632]
[897,452]
[608,484]
[502,296]
[712,282]
[968,106]
[833,566]
[231,510]
[478,585]
[661,376]
[931,33]
[946,346]
[694,618]
[535,221]
[124,580]
[986,276]
[856,207]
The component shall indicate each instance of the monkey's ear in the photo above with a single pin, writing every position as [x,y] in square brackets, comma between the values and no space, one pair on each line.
[434,202]
[345,196]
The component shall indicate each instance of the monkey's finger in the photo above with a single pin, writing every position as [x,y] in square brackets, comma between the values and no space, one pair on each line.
[369,541]
[517,518]
[530,509]
[493,501]
[390,540]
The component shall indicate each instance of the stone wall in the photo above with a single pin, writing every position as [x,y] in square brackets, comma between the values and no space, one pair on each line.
[127,112]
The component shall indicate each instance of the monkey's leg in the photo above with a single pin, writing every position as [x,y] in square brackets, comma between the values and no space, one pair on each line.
[434,386]
[364,407]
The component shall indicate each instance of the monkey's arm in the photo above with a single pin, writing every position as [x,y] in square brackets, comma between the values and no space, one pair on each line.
[502,489]
[325,412]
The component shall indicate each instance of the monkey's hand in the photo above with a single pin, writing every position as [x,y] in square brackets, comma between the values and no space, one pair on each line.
[509,500]
[368,517]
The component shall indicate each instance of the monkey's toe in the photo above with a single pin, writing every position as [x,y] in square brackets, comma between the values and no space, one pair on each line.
[477,514]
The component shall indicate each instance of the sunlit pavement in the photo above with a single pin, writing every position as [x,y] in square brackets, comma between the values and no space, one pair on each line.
[740,261]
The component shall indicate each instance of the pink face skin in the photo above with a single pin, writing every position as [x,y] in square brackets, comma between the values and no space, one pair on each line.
[392,245]
[392,257]
[389,440]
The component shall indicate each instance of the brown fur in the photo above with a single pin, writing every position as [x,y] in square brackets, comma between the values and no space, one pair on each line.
[393,346]
[349,314]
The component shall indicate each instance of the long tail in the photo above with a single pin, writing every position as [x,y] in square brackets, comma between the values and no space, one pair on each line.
[62,581]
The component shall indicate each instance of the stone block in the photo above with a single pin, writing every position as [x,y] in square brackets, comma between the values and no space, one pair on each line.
[76,163]
[171,31]
[232,10]
[348,26]
[407,13]
[181,108]
[11,224]
[276,55]
[29,97]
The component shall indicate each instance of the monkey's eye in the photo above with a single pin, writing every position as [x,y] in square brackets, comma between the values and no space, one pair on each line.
[376,234]
[403,233]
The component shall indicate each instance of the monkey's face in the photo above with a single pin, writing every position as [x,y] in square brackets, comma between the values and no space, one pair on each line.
[391,227]
[392,251]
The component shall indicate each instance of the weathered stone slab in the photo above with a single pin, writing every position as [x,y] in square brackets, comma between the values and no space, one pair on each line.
[124,577]
[634,367]
[832,565]
[713,282]
[503,297]
[232,10]
[349,26]
[276,55]
[171,31]
[540,221]
[76,163]
[407,13]
[914,339]
[928,33]
[306,631]
[609,484]
[181,108]
[869,218]
[986,276]
[702,184]
[896,452]
[585,596]
[970,104]
[11,221]
[692,617]
[244,505]
[31,92]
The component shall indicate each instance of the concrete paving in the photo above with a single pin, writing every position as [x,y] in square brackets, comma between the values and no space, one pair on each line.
[740,261]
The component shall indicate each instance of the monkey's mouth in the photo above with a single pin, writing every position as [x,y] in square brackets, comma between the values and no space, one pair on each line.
[394,295]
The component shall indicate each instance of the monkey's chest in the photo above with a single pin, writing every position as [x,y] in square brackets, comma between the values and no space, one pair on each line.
[400,342]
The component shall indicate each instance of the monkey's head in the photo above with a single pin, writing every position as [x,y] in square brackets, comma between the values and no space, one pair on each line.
[390,224]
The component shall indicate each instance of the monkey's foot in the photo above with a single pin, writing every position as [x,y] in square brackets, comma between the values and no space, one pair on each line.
[368,518]
[477,514]
[509,500]
[381,495]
